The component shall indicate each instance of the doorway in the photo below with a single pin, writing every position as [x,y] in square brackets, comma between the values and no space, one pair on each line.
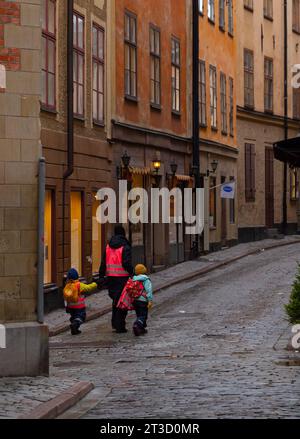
[269,164]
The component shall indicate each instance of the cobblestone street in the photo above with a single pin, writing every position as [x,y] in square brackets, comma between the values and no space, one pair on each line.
[215,349]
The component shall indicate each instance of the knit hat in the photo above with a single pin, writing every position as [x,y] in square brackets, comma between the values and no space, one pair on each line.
[119,230]
[72,274]
[140,269]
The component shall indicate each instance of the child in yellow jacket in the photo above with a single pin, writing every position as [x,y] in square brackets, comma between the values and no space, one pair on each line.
[77,308]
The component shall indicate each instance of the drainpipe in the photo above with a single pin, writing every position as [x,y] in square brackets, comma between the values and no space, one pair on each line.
[196,151]
[41,242]
[70,129]
[285,169]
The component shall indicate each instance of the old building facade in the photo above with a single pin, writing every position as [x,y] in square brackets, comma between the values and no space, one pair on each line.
[26,351]
[149,82]
[217,102]
[260,100]
[73,237]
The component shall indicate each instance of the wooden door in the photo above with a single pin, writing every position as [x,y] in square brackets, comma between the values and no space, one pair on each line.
[269,163]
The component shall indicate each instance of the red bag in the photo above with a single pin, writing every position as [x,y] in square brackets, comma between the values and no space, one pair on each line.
[132,291]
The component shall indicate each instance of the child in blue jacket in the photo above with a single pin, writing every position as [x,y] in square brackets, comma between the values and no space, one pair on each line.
[144,302]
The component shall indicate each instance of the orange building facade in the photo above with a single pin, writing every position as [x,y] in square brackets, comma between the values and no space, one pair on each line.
[150,89]
[218,141]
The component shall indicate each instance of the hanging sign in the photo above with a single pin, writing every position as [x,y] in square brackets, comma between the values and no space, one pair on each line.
[228,190]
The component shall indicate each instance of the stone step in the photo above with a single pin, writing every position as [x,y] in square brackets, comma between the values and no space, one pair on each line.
[274,234]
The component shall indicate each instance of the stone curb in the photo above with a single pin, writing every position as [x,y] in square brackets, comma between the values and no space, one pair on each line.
[58,405]
[198,273]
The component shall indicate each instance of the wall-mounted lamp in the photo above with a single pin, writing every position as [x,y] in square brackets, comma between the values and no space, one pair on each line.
[173,167]
[122,171]
[214,166]
[156,163]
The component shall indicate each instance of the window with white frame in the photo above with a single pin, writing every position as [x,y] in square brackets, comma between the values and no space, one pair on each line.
[213,96]
[223,91]
[98,74]
[175,44]
[48,53]
[211,10]
[78,67]
[202,93]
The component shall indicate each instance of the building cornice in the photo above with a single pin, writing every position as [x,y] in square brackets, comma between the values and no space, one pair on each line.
[263,118]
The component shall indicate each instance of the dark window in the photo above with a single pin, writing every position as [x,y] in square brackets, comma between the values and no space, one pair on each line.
[296,103]
[248,4]
[222,14]
[175,44]
[249,78]
[232,207]
[155,84]
[213,203]
[268,9]
[294,185]
[78,68]
[231,107]
[223,84]
[48,53]
[230,17]
[296,15]
[211,10]
[98,74]
[202,93]
[250,188]
[130,55]
[213,96]
[268,85]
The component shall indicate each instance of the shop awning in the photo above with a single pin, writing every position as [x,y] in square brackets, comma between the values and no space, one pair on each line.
[140,171]
[183,177]
[288,151]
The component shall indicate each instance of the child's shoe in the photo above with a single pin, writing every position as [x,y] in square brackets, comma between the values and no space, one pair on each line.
[75,330]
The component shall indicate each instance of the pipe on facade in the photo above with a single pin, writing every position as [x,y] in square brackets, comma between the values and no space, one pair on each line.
[196,126]
[285,169]
[41,243]
[70,127]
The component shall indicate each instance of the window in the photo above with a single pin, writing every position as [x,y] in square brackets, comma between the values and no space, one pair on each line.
[76,231]
[230,17]
[213,96]
[250,172]
[136,230]
[223,84]
[296,16]
[78,68]
[268,85]
[48,237]
[211,10]
[249,78]
[296,103]
[202,93]
[232,207]
[248,4]
[222,14]
[231,107]
[48,53]
[130,55]
[96,236]
[213,203]
[201,6]
[294,185]
[155,66]
[175,43]
[98,74]
[268,9]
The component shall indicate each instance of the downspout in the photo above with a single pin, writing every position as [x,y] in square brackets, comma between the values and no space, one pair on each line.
[285,169]
[196,127]
[70,129]
[41,243]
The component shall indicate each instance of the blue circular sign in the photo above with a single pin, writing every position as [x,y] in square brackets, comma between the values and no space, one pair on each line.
[227,189]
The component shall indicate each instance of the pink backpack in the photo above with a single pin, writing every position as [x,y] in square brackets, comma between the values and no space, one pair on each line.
[132,291]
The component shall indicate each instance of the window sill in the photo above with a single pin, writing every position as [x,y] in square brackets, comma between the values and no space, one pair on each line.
[176,114]
[215,129]
[271,112]
[224,133]
[77,117]
[98,124]
[202,125]
[212,228]
[296,31]
[222,29]
[267,17]
[249,107]
[155,107]
[132,99]
[211,21]
[48,110]
[230,34]
[248,8]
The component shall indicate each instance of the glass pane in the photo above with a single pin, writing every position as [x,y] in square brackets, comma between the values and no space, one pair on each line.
[127,27]
[96,238]
[133,30]
[95,110]
[75,98]
[48,238]
[157,69]
[101,44]
[95,37]
[157,43]
[100,78]
[127,57]
[127,82]
[157,93]
[51,56]
[152,86]
[95,76]
[80,99]
[133,59]
[74,66]
[51,89]
[80,69]
[74,30]
[101,106]
[133,84]
[152,68]
[80,33]
[51,16]
[152,45]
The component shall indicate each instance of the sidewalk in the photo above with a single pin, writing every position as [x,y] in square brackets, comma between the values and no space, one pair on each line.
[100,304]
